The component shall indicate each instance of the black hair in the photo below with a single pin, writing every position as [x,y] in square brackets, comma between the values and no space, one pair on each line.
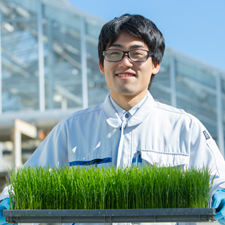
[137,26]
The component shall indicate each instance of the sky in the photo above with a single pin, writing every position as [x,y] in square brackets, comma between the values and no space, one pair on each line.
[195,28]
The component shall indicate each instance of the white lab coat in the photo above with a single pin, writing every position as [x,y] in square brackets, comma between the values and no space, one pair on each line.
[161,134]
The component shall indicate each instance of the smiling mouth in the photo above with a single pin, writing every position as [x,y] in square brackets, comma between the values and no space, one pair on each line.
[125,75]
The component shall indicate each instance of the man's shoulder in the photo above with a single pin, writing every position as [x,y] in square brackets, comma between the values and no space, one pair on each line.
[172,111]
[175,115]
[168,110]
[85,112]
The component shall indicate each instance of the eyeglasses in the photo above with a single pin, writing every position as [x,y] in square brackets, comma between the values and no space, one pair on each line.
[116,55]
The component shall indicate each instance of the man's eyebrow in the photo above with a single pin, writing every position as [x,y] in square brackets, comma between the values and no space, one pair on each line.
[116,45]
[137,46]
[131,47]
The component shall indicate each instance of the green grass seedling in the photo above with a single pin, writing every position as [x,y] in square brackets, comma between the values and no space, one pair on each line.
[109,188]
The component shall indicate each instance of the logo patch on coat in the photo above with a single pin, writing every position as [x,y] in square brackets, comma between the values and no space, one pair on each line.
[206,135]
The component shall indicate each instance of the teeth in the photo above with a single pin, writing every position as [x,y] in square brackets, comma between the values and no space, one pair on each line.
[125,75]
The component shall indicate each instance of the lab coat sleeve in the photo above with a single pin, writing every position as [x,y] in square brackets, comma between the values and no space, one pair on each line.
[205,153]
[52,152]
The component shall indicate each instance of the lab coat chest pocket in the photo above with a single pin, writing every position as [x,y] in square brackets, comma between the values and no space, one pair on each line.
[164,159]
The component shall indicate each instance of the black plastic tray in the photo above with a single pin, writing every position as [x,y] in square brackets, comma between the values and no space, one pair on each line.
[110,215]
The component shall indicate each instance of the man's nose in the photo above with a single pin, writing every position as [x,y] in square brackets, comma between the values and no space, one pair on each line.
[126,60]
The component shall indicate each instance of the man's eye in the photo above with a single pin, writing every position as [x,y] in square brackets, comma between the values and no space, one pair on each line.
[114,53]
[137,53]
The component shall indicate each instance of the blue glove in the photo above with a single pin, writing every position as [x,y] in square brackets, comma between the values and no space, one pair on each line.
[219,204]
[4,205]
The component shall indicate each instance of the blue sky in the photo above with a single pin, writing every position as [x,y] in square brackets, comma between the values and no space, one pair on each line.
[193,27]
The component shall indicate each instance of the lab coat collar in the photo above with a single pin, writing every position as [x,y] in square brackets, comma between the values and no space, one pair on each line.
[121,112]
[111,114]
[114,120]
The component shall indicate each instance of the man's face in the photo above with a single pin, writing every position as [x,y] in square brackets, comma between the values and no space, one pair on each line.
[127,78]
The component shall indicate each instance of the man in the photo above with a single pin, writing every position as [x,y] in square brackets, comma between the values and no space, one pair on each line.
[129,122]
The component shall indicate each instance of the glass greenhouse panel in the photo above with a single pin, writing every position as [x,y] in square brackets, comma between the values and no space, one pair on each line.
[62,61]
[61,16]
[160,93]
[93,28]
[198,74]
[223,87]
[161,86]
[28,5]
[165,61]
[97,88]
[223,104]
[163,77]
[19,65]
[204,109]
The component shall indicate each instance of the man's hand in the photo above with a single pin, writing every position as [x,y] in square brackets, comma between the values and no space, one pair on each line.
[219,204]
[4,205]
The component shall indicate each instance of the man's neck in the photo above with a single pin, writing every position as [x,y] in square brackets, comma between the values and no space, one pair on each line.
[127,102]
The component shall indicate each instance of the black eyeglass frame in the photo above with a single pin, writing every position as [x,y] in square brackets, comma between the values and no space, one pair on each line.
[128,54]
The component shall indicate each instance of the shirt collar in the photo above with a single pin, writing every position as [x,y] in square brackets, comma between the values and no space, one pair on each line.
[139,112]
[121,112]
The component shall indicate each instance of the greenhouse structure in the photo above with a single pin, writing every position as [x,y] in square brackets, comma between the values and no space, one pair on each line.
[49,69]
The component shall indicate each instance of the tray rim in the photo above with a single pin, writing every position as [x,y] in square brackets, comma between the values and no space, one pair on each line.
[111,215]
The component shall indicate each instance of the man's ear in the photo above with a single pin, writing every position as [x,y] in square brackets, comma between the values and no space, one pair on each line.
[156,68]
[101,67]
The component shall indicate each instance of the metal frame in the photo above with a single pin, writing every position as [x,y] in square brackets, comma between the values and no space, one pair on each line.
[220,131]
[110,215]
[41,59]
[0,66]
[84,63]
[173,81]
[1,157]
